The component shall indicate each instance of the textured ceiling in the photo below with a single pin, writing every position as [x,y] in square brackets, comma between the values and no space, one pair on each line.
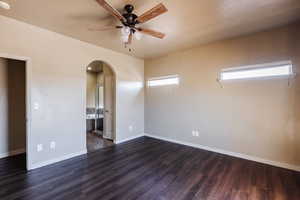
[187,24]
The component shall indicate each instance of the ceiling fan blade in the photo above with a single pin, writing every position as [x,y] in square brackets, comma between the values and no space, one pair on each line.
[152,13]
[130,38]
[152,33]
[105,28]
[111,10]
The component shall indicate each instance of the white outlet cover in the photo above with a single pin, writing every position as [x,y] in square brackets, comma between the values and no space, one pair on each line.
[130,128]
[39,147]
[195,133]
[52,145]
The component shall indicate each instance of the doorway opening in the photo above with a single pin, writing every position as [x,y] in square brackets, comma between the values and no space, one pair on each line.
[100,106]
[13,109]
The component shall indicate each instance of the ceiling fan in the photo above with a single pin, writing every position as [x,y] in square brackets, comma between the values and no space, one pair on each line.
[129,21]
[4,5]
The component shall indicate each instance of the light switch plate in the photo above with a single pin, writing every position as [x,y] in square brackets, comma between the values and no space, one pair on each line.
[36,106]
[39,147]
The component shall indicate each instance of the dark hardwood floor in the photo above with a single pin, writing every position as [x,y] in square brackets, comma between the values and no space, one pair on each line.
[148,169]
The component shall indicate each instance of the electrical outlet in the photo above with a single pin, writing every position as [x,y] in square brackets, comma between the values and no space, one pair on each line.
[52,145]
[130,128]
[39,147]
[193,133]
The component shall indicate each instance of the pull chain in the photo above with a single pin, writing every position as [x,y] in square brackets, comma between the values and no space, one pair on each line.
[125,46]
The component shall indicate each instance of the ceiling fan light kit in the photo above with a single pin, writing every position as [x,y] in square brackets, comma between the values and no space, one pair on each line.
[125,31]
[129,21]
[4,5]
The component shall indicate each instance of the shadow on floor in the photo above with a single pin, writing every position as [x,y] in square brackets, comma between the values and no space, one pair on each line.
[12,164]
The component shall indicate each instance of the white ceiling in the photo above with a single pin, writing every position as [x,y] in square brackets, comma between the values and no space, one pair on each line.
[187,24]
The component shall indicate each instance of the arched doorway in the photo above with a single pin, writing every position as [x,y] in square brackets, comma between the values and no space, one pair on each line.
[100,105]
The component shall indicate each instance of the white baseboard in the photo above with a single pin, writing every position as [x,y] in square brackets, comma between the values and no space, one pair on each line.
[55,160]
[230,153]
[12,153]
[128,139]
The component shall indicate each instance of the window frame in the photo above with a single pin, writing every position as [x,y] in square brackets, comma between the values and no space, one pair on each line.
[258,66]
[162,78]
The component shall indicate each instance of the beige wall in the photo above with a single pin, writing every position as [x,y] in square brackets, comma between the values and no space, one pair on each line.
[58,85]
[12,106]
[255,117]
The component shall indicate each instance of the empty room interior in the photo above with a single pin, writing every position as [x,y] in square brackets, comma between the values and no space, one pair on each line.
[150,100]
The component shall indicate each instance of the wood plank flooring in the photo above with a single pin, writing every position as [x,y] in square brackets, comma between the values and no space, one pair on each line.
[96,142]
[148,169]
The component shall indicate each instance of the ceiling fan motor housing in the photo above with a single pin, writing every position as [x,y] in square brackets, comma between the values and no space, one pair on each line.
[129,16]
[129,8]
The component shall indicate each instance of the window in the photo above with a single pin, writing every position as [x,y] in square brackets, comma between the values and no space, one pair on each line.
[258,71]
[164,80]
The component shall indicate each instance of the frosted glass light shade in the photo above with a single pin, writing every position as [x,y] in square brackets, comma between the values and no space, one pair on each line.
[125,31]
[4,5]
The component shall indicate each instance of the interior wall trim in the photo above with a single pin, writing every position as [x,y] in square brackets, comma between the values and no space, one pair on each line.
[12,153]
[230,153]
[130,138]
[28,74]
[55,160]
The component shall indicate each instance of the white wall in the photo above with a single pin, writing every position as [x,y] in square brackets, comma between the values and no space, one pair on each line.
[58,85]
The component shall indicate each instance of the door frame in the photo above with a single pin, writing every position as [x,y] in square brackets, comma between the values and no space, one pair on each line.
[28,75]
[113,93]
[114,118]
